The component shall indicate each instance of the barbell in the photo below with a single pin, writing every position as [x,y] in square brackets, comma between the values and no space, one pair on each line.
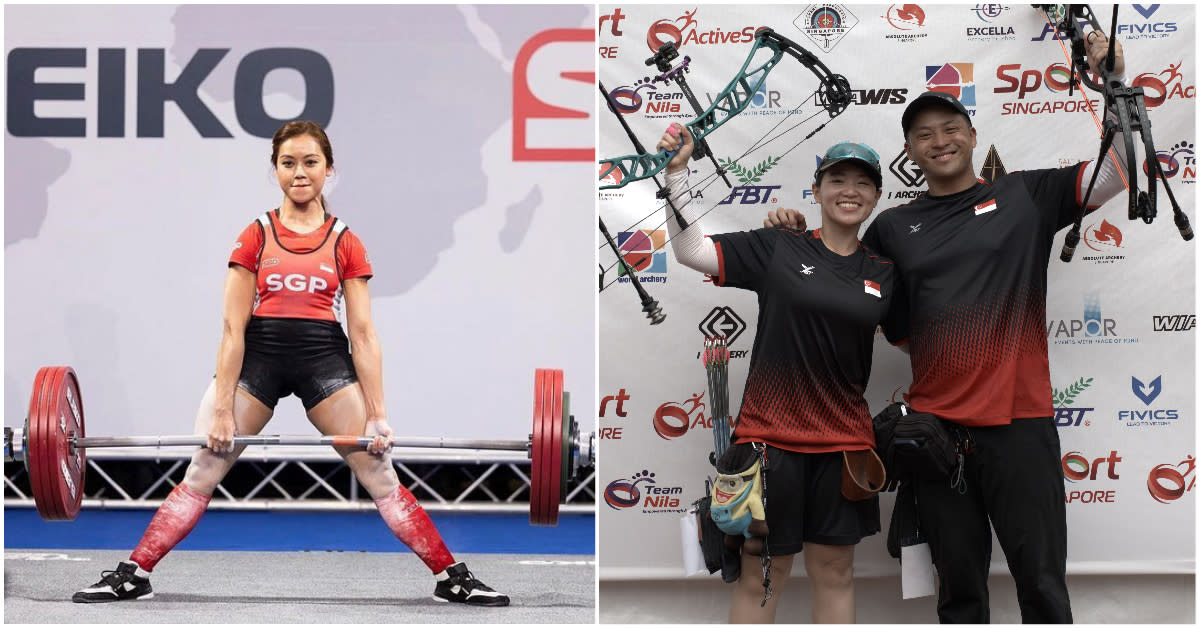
[52,444]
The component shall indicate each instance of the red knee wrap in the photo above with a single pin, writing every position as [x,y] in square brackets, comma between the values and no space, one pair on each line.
[409,522]
[173,521]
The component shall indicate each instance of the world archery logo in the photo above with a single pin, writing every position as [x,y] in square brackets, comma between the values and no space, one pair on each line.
[956,79]
[644,251]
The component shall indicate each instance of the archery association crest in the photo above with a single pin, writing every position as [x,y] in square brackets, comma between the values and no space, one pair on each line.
[825,24]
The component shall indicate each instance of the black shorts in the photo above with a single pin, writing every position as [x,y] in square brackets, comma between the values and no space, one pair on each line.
[805,503]
[284,356]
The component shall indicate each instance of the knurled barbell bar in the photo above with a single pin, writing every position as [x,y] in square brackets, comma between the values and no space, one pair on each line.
[52,444]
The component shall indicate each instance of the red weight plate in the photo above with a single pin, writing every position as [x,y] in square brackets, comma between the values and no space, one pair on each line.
[71,462]
[546,441]
[554,469]
[34,457]
[536,449]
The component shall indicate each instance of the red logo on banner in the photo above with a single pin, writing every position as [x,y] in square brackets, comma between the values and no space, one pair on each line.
[1166,484]
[671,420]
[529,108]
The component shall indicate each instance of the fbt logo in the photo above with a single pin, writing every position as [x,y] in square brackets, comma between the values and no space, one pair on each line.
[672,420]
[553,79]
[154,91]
[613,433]
[1076,468]
[1166,483]
[747,193]
[1147,393]
[625,493]
[1065,414]
[295,282]
[1049,31]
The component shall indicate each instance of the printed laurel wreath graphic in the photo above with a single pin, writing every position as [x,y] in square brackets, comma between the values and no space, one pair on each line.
[1066,396]
[749,175]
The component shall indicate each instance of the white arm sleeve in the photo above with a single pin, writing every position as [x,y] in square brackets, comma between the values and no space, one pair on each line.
[690,246]
[1109,182]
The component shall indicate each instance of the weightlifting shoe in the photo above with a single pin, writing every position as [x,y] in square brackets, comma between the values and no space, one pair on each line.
[122,584]
[458,584]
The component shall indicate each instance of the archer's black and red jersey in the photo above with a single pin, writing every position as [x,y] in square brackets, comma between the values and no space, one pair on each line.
[971,296]
[817,315]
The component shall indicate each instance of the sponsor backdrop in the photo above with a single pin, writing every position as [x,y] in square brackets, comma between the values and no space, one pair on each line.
[1120,317]
[137,148]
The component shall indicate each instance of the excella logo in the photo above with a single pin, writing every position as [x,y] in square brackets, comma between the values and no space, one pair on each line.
[672,420]
[1065,414]
[610,432]
[644,251]
[748,194]
[723,321]
[909,19]
[825,24]
[625,493]
[1179,161]
[1148,417]
[989,14]
[1168,482]
[1077,469]
[686,30]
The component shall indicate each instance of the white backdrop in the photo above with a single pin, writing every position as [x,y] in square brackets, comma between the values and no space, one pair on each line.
[1120,316]
[116,247]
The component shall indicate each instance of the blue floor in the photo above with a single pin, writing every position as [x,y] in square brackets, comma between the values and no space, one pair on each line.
[297,531]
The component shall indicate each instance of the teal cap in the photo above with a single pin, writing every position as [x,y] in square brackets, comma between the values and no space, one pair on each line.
[861,154]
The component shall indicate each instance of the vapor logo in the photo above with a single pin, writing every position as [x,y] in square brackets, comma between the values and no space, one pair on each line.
[1093,328]
[1167,484]
[956,79]
[685,30]
[1147,393]
[672,420]
[1065,415]
[1160,87]
[625,493]
[1077,468]
[643,250]
[723,321]
[825,24]
[1181,157]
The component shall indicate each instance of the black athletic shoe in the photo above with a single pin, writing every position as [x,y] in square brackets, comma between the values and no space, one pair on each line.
[462,587]
[122,584]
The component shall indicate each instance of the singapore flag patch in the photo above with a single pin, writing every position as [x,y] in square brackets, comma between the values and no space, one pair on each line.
[984,208]
[870,287]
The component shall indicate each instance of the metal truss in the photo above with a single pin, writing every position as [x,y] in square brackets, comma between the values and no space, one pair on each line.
[303,478]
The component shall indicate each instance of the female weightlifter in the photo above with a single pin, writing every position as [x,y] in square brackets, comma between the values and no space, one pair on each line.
[289,273]
[821,294]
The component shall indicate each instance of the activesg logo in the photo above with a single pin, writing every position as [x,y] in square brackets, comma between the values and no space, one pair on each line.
[672,420]
[1168,482]
[642,489]
[1160,87]
[1147,416]
[685,30]
[1080,472]
[723,321]
[610,25]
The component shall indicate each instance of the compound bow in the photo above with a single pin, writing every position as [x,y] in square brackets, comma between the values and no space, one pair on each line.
[1130,106]
[832,95]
